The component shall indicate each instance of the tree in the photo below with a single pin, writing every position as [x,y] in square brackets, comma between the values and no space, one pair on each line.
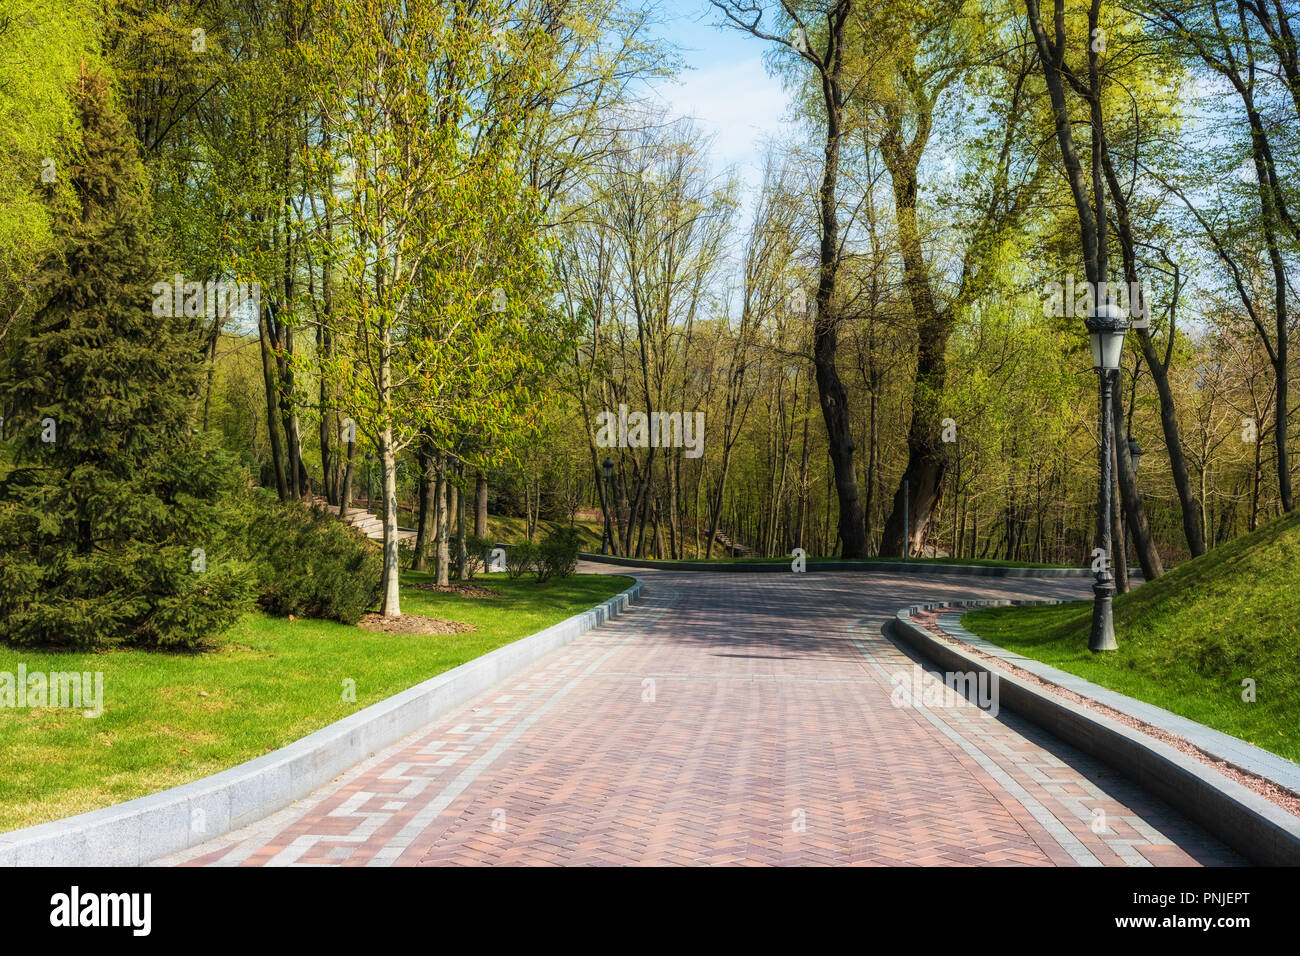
[109,519]
[818,34]
[38,136]
[1088,190]
[445,319]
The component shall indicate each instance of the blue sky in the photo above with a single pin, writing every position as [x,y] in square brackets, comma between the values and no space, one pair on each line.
[725,87]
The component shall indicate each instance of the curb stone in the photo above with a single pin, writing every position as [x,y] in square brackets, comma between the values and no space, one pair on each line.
[1256,828]
[159,824]
[975,570]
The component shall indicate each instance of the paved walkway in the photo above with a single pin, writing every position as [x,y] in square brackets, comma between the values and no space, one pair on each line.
[731,718]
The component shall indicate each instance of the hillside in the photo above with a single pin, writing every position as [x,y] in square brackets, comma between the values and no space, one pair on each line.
[1189,639]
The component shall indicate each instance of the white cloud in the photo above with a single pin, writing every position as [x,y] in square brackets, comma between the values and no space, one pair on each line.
[737,103]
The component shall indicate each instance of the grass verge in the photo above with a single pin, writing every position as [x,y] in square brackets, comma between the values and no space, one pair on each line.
[1189,639]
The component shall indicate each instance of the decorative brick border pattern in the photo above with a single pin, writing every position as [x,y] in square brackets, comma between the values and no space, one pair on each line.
[1245,821]
[149,827]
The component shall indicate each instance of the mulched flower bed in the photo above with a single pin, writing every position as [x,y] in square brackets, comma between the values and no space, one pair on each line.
[460,590]
[413,624]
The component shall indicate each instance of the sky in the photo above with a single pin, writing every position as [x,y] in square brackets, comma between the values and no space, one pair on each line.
[725,87]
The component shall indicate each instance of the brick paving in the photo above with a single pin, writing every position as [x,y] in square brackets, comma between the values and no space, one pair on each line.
[745,719]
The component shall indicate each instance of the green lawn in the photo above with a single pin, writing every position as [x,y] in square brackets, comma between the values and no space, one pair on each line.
[1188,639]
[170,718]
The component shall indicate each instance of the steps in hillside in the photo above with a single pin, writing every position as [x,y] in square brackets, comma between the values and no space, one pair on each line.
[361,519]
[732,548]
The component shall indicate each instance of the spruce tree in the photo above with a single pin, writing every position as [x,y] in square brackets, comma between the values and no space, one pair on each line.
[110,513]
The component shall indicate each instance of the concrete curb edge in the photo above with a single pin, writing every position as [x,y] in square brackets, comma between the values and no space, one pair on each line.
[976,570]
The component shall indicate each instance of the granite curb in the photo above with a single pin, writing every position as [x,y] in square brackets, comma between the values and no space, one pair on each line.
[917,567]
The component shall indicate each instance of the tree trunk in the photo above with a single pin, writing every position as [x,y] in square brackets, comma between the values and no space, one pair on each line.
[480,505]
[345,494]
[1117,525]
[424,521]
[461,551]
[272,403]
[391,583]
[926,460]
[1134,513]
[830,390]
[1193,529]
[440,500]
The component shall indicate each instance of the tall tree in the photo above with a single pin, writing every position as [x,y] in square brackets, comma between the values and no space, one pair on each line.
[817,34]
[109,519]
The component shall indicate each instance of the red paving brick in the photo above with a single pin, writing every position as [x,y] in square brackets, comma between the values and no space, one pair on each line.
[730,719]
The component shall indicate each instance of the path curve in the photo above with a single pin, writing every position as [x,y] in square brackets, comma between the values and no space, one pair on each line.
[731,719]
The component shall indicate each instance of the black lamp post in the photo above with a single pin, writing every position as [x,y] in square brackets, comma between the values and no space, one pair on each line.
[1106,328]
[607,469]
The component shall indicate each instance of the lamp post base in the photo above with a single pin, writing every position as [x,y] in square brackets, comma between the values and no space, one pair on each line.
[1103,626]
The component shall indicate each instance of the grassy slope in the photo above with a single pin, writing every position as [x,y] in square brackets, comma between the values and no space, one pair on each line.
[1189,638]
[172,718]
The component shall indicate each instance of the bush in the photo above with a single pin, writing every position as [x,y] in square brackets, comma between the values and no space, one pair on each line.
[520,557]
[311,564]
[558,554]
[477,553]
[164,572]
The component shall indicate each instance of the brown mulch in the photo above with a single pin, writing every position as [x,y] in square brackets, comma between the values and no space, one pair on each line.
[460,589]
[1266,788]
[413,624]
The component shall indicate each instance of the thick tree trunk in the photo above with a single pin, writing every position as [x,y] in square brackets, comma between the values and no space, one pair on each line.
[453,511]
[922,479]
[1193,530]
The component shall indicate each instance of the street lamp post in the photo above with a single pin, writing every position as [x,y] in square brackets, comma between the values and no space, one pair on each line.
[1106,328]
[607,469]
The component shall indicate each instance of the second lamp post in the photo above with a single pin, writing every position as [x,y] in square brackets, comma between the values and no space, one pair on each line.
[1107,326]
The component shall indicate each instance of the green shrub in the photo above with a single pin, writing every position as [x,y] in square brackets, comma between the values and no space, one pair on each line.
[477,553]
[558,554]
[310,563]
[520,557]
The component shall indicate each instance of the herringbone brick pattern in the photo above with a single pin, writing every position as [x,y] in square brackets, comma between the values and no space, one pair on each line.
[730,719]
